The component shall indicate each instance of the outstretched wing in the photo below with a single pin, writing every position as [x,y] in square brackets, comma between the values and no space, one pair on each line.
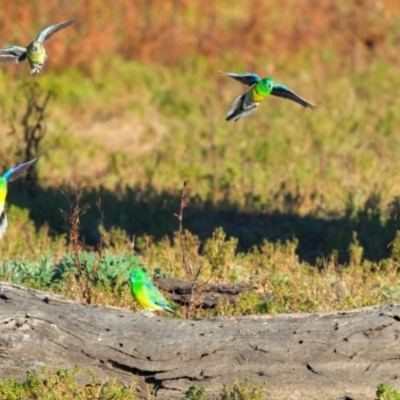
[12,54]
[52,29]
[14,173]
[286,93]
[247,78]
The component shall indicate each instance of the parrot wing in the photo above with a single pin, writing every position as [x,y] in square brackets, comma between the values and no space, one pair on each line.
[286,93]
[12,54]
[52,29]
[16,172]
[247,78]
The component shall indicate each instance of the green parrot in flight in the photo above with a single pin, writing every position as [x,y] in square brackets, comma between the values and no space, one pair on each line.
[247,103]
[11,175]
[35,52]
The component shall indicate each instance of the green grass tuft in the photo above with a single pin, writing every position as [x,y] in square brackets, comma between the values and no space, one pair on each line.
[387,392]
[62,384]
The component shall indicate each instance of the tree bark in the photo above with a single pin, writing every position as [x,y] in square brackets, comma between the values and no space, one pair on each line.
[211,294]
[340,355]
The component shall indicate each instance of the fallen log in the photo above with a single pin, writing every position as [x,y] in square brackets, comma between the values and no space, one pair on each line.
[340,355]
[210,294]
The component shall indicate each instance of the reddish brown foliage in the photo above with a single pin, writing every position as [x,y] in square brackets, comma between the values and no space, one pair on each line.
[168,30]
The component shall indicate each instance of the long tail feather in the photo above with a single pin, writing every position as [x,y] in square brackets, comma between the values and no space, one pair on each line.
[173,312]
[3,223]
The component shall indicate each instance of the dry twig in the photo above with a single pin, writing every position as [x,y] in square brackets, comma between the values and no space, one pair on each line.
[185,261]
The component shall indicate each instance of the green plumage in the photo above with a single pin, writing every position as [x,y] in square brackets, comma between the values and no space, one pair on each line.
[11,175]
[248,102]
[146,294]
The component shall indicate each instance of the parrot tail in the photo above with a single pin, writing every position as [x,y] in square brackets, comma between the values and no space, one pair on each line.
[3,223]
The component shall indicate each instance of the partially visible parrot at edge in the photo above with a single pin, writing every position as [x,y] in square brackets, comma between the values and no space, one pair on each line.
[146,294]
[247,103]
[11,175]
[35,52]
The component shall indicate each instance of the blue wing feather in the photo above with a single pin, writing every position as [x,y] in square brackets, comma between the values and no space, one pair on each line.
[14,173]
[155,296]
[247,78]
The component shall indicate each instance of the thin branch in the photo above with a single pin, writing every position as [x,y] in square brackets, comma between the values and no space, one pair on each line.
[183,204]
[73,221]
[133,243]
[185,261]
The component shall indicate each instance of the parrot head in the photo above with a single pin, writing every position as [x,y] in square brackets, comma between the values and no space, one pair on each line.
[35,47]
[267,84]
[137,275]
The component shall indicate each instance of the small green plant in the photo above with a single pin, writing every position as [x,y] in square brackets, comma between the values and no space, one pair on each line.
[220,252]
[242,391]
[355,251]
[385,391]
[61,384]
[196,393]
[246,303]
[93,268]
[111,269]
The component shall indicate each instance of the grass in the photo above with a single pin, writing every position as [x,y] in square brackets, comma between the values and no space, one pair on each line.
[302,204]
[285,171]
[62,384]
[386,392]
[299,209]
[294,286]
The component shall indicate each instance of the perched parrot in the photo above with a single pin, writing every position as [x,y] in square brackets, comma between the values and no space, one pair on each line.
[35,52]
[146,294]
[11,175]
[247,103]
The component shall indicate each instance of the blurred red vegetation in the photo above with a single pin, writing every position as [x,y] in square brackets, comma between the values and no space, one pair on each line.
[167,31]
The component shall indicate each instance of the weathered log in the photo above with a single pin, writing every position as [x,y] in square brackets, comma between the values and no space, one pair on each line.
[341,355]
[211,294]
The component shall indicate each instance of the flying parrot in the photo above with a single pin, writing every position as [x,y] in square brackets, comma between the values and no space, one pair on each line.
[11,175]
[35,51]
[146,294]
[247,103]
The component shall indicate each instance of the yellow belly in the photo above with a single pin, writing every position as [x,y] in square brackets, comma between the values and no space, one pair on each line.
[37,58]
[3,193]
[257,97]
[147,304]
